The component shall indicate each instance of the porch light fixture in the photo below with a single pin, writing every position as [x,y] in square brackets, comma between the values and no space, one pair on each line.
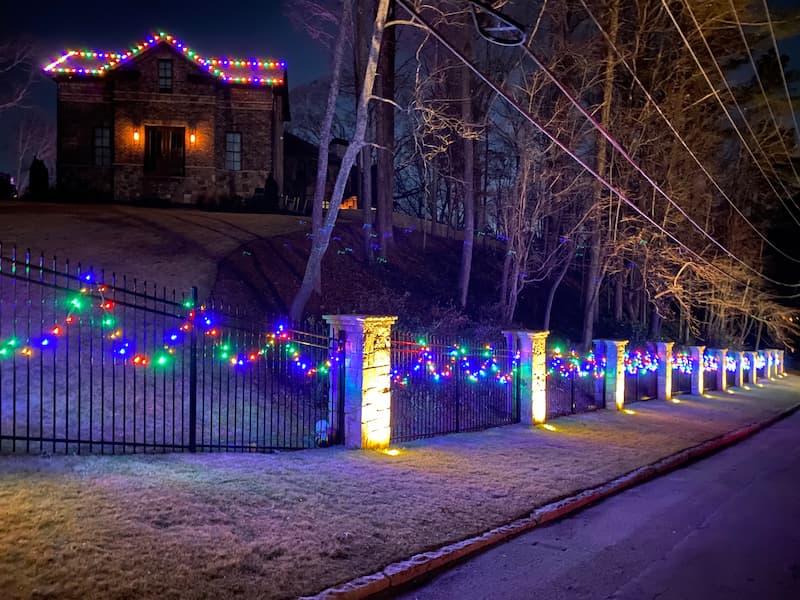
[135,135]
[192,138]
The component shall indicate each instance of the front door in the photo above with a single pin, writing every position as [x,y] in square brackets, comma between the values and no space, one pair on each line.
[164,151]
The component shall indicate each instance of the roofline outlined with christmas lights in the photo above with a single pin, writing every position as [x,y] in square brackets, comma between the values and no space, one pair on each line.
[217,67]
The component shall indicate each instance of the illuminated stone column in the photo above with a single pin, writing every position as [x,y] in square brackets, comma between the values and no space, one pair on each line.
[613,386]
[753,378]
[722,371]
[532,372]
[696,353]
[781,366]
[771,356]
[739,373]
[664,372]
[367,378]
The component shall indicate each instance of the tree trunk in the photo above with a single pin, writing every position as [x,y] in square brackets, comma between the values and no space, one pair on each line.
[551,294]
[325,132]
[384,137]
[321,241]
[469,188]
[594,279]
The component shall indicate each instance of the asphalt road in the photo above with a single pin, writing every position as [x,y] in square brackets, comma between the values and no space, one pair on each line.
[726,527]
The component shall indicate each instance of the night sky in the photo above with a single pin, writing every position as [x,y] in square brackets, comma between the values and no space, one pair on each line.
[233,28]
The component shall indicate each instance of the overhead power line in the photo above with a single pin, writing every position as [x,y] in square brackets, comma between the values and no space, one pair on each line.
[469,64]
[783,75]
[761,87]
[677,134]
[629,159]
[725,108]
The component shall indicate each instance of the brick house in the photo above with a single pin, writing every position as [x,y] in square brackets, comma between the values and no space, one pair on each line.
[161,121]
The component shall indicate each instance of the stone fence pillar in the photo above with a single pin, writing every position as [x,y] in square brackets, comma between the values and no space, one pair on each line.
[753,377]
[781,366]
[722,371]
[738,380]
[532,371]
[614,380]
[664,372]
[696,353]
[772,356]
[367,373]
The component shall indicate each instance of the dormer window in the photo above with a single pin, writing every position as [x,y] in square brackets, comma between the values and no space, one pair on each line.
[164,75]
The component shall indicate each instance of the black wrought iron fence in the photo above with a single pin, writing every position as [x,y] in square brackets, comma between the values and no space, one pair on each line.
[681,371]
[97,363]
[573,394]
[641,385]
[443,387]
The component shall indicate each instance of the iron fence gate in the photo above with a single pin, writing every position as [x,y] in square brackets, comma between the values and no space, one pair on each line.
[90,363]
[440,387]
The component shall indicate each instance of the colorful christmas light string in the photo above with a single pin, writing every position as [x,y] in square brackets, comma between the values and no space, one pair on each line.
[640,362]
[215,66]
[574,365]
[124,348]
[477,367]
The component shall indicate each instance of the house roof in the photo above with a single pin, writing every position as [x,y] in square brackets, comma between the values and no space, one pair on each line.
[94,63]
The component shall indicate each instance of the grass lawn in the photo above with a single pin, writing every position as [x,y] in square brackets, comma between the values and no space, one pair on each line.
[286,524]
[170,246]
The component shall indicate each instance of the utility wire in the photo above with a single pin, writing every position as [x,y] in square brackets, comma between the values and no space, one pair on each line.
[469,64]
[763,91]
[616,145]
[783,75]
[725,108]
[677,134]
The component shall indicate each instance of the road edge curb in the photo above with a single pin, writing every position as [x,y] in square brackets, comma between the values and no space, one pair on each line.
[400,573]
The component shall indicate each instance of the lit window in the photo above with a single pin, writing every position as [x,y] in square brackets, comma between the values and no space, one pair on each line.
[102,146]
[233,151]
[164,75]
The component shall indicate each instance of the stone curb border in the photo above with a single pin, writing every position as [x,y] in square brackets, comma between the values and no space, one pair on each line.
[400,573]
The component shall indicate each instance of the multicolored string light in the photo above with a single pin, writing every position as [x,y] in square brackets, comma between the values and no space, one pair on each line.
[219,67]
[92,295]
[710,362]
[640,362]
[574,365]
[480,366]
[682,362]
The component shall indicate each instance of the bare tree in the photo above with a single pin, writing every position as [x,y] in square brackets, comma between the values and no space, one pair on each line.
[18,73]
[322,237]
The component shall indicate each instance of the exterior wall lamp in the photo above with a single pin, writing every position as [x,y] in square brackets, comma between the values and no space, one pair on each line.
[135,135]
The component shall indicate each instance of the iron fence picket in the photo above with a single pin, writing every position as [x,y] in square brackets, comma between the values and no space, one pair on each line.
[425,404]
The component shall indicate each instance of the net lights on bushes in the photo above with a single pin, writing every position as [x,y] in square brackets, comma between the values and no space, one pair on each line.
[218,67]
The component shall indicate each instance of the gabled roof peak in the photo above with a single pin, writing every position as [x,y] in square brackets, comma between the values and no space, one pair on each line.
[252,71]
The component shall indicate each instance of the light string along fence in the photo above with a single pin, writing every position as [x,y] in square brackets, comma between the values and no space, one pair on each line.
[117,365]
[443,386]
